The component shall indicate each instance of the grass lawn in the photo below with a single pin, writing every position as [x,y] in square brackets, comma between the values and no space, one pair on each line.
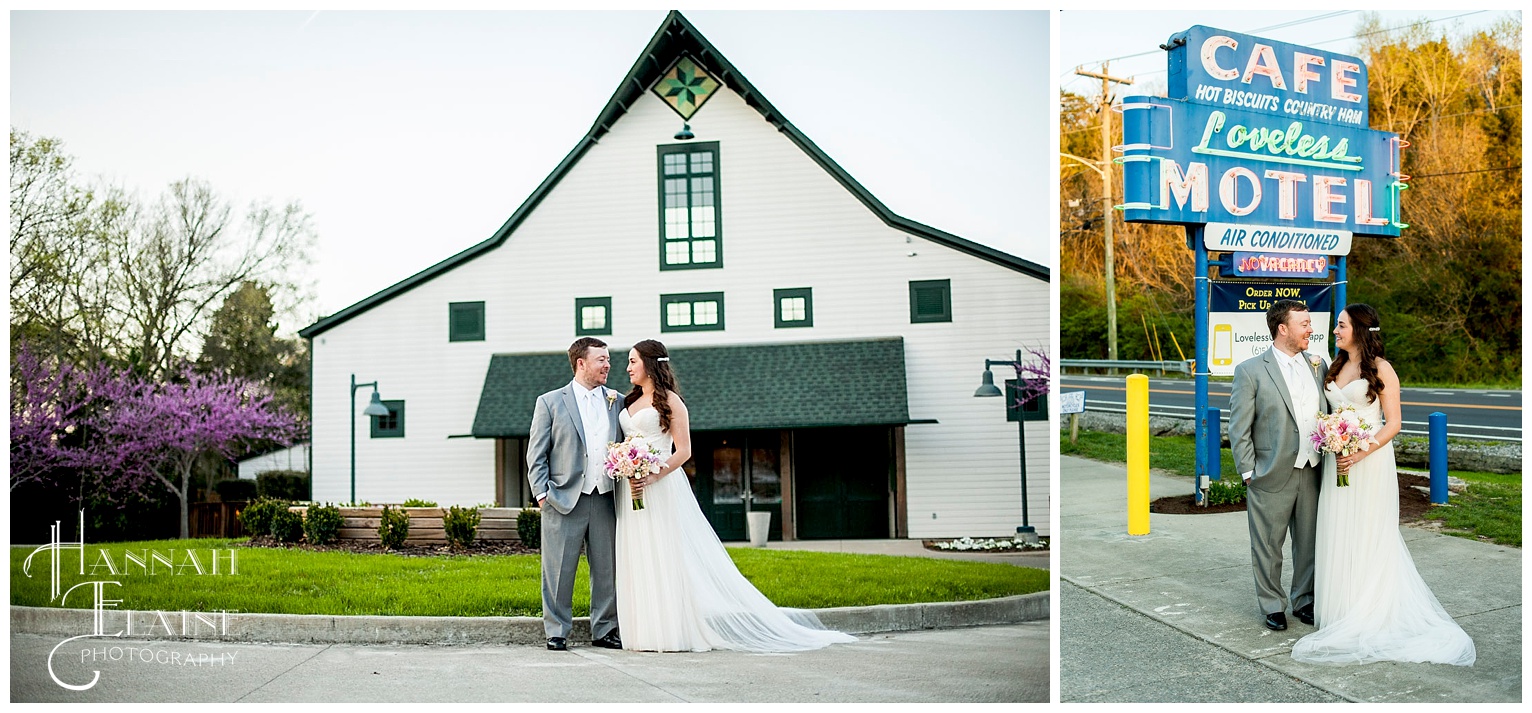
[1490,507]
[303,582]
[1174,454]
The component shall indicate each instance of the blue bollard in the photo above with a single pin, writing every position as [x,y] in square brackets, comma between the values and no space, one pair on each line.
[1438,430]
[1215,443]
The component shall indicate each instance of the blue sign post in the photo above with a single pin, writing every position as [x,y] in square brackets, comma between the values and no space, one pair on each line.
[1262,149]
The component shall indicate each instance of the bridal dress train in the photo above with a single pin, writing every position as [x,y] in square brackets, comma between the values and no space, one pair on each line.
[1370,603]
[677,589]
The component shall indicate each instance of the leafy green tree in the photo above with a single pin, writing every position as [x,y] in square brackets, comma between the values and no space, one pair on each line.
[242,341]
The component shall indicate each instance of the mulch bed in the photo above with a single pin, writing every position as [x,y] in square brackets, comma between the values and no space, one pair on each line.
[1413,504]
[372,547]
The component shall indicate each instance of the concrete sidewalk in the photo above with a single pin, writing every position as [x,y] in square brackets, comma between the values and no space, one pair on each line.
[1192,575]
[982,664]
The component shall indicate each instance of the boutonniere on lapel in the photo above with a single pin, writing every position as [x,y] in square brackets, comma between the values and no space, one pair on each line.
[611,398]
[1314,363]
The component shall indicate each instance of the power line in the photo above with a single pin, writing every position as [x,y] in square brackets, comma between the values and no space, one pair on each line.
[1460,173]
[1300,22]
[1324,42]
[1278,26]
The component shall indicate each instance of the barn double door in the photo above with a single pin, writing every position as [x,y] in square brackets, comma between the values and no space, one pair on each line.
[738,472]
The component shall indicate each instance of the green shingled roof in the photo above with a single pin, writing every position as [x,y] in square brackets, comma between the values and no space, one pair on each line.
[804,385]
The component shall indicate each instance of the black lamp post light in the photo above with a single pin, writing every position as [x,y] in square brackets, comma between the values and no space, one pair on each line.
[375,407]
[1033,409]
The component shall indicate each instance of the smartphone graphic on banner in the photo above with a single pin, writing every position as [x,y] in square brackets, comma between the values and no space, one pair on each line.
[1223,345]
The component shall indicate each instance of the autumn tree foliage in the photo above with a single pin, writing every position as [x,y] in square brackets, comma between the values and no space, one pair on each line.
[1449,288]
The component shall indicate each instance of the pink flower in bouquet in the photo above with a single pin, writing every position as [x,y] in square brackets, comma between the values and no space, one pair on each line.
[632,459]
[1342,433]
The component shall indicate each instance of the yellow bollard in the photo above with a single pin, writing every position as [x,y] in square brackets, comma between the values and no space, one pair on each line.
[1138,455]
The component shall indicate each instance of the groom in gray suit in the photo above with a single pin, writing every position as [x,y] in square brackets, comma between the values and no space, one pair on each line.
[566,454]
[1275,403]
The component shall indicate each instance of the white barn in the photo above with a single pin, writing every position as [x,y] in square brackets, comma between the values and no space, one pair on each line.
[827,348]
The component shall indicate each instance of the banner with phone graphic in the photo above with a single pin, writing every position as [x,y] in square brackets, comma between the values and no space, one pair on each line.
[1237,320]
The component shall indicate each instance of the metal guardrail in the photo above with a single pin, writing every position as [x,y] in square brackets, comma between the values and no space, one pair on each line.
[1184,367]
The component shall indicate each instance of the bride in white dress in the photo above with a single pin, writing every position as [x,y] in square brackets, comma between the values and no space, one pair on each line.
[677,589]
[1370,603]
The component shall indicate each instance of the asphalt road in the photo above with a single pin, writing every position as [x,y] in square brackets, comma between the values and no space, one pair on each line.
[1471,413]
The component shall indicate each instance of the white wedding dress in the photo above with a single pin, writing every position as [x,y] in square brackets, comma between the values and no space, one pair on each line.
[1370,603]
[677,589]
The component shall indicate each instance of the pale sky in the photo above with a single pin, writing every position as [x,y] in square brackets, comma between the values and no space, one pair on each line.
[1131,40]
[411,136]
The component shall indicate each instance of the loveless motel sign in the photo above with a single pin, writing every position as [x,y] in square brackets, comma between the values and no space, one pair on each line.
[1265,143]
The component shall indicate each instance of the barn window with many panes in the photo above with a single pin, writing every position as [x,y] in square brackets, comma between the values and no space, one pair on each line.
[691,234]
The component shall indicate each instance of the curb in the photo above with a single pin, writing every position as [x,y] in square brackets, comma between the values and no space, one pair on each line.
[520,630]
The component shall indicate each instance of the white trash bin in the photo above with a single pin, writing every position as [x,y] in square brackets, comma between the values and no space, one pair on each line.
[758,524]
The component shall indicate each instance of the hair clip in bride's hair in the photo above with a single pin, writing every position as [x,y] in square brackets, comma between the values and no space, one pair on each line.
[662,359]
[1374,329]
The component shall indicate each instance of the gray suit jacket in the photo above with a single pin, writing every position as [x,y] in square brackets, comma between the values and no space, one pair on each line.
[556,446]
[1263,426]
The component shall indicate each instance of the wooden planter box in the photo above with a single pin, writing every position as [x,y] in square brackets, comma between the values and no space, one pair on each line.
[495,524]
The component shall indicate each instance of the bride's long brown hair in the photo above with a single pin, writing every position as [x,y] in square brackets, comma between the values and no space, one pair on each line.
[661,376]
[1365,332]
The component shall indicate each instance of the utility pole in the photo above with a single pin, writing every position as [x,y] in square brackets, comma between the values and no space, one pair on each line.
[1106,200]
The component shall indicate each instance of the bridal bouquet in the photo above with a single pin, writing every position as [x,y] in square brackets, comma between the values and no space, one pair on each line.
[1343,433]
[633,458]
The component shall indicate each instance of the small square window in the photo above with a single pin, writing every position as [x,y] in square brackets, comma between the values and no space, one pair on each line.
[702,311]
[465,322]
[593,315]
[930,301]
[390,426]
[794,307]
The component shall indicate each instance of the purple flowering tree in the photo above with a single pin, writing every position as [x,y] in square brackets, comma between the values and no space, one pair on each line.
[159,431]
[108,434]
[1035,375]
[45,406]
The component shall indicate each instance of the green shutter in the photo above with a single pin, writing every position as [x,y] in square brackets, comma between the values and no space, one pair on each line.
[465,322]
[930,301]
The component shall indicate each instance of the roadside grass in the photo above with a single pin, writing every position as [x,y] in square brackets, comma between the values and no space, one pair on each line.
[299,581]
[1490,508]
[1174,454]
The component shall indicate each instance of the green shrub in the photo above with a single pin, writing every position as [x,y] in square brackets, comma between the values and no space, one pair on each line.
[418,503]
[529,525]
[393,527]
[321,525]
[461,525]
[286,525]
[256,517]
[235,490]
[1226,492]
[283,484]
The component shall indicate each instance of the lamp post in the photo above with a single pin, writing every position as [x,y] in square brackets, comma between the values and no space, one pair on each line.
[987,389]
[374,408]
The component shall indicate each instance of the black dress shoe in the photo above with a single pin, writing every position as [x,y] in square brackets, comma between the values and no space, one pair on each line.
[558,643]
[1305,614]
[610,641]
[1276,622]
